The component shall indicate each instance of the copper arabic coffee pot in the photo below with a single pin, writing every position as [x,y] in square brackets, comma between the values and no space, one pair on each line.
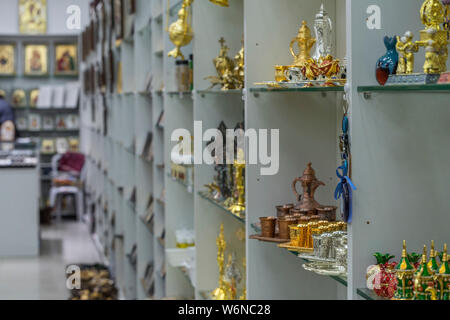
[310,183]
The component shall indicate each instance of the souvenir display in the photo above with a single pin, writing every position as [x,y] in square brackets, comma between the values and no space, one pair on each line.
[48,122]
[409,279]
[33,16]
[185,238]
[66,59]
[320,69]
[62,145]
[387,64]
[182,168]
[96,284]
[34,97]
[74,144]
[182,75]
[230,73]
[48,146]
[238,206]
[34,122]
[180,32]
[36,60]
[7,59]
[19,98]
[434,39]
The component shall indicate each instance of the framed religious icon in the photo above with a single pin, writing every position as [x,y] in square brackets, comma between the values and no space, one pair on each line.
[7,59]
[33,16]
[118,18]
[34,97]
[66,59]
[48,122]
[19,98]
[36,60]
[22,123]
[34,122]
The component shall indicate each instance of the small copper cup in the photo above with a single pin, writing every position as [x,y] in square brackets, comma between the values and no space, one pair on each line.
[284,223]
[268,226]
[327,213]
[284,210]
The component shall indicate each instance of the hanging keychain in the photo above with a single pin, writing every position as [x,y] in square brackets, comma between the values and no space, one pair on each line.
[345,187]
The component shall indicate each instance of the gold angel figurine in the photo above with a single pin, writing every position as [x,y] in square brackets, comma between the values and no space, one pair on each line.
[180,32]
[406,47]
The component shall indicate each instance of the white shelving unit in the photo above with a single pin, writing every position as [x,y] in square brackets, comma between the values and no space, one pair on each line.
[398,148]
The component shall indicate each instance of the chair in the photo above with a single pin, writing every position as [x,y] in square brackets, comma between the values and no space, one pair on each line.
[65,183]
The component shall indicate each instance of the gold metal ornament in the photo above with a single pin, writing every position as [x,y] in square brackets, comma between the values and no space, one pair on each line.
[180,32]
[305,42]
[7,59]
[406,47]
[220,292]
[222,3]
[238,208]
[33,16]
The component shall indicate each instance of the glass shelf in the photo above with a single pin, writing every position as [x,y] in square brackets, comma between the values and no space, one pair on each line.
[416,87]
[341,280]
[368,294]
[221,206]
[304,89]
[217,91]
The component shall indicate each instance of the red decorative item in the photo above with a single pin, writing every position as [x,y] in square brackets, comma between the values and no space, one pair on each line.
[385,282]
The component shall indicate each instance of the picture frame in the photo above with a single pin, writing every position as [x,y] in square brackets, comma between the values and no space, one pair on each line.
[34,122]
[48,146]
[66,59]
[33,97]
[48,122]
[60,122]
[61,145]
[36,60]
[22,123]
[7,59]
[19,98]
[33,16]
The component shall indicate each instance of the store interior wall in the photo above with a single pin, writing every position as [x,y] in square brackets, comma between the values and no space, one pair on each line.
[56,16]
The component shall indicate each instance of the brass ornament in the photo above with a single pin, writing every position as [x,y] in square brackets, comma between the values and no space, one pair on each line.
[180,32]
[238,208]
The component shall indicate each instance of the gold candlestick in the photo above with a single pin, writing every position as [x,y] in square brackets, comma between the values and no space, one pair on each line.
[239,207]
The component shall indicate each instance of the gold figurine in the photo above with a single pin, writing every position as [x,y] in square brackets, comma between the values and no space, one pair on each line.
[180,32]
[239,207]
[230,73]
[220,292]
[305,42]
[406,48]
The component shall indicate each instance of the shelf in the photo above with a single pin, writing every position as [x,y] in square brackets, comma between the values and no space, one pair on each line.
[444,88]
[181,94]
[368,294]
[46,110]
[215,91]
[305,89]
[221,206]
[341,280]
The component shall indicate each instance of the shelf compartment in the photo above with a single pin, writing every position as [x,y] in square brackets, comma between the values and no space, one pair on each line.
[220,205]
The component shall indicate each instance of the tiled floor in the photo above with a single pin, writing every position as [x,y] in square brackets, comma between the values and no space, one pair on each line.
[44,277]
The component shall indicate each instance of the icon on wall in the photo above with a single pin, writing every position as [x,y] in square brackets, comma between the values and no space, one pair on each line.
[66,56]
[34,96]
[7,59]
[36,60]
[19,98]
[33,16]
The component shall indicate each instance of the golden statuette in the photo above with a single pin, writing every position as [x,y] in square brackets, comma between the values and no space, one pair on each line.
[406,49]
[180,32]
[239,207]
[230,73]
[220,292]
[33,16]
[305,43]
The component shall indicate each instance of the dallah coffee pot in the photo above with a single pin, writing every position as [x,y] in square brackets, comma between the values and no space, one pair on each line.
[310,183]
